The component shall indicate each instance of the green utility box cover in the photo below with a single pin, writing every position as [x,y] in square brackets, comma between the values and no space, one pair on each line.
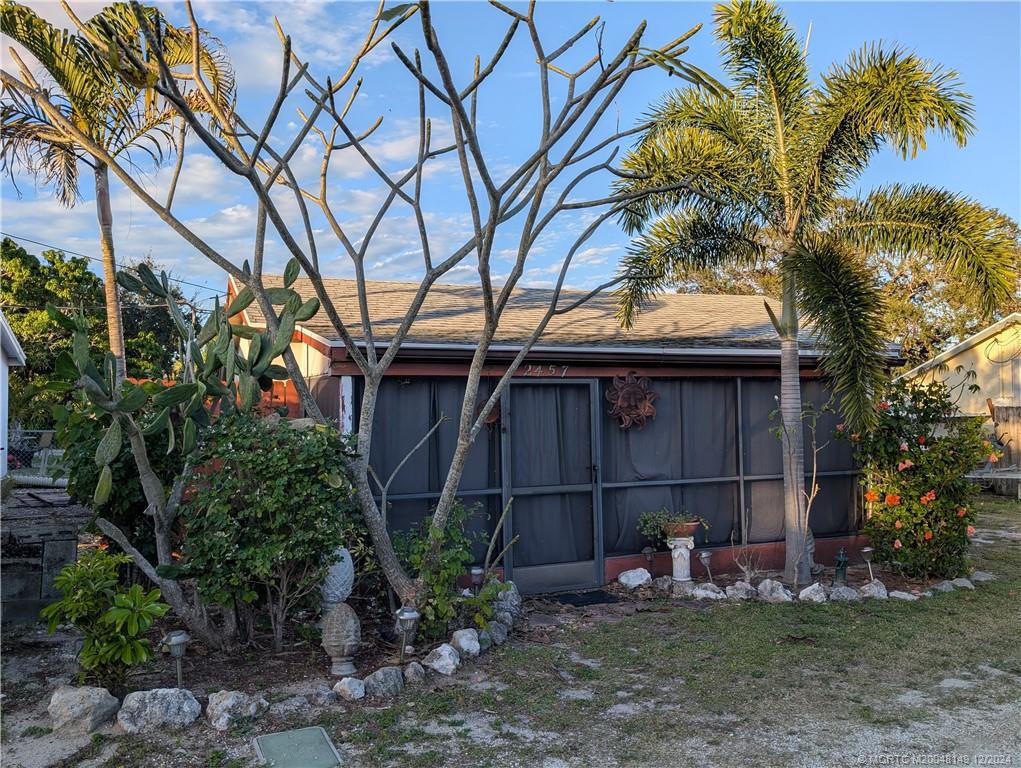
[300,748]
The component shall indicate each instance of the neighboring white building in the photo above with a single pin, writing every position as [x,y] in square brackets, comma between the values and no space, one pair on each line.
[11,354]
[994,354]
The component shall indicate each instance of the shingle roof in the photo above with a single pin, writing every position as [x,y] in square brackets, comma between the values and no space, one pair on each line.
[452,314]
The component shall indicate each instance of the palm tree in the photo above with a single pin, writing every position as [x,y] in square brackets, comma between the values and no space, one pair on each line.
[770,166]
[121,114]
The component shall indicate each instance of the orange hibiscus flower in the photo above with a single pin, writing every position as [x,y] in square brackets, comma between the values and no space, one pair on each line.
[892,499]
[871,495]
[928,535]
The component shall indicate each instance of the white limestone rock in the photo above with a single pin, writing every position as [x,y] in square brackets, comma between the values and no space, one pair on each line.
[772,591]
[227,707]
[414,673]
[466,642]
[962,584]
[742,590]
[901,595]
[444,659]
[497,633]
[874,589]
[158,709]
[980,576]
[636,577]
[385,681]
[844,594]
[815,593]
[350,689]
[708,592]
[82,709]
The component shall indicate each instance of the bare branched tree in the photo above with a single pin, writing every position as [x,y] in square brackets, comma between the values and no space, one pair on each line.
[573,146]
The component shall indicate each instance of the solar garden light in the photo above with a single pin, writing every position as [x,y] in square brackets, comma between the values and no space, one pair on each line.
[407,618]
[476,576]
[866,555]
[705,557]
[177,643]
[840,567]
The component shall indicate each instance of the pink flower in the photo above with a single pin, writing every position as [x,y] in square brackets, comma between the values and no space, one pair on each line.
[993,458]
[971,530]
[903,446]
[897,544]
[884,406]
[906,464]
[840,427]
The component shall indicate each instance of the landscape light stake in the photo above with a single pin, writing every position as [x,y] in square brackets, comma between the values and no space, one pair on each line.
[477,572]
[705,557]
[177,643]
[866,555]
[407,618]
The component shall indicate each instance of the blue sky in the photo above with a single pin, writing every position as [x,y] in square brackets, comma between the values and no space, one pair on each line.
[982,41]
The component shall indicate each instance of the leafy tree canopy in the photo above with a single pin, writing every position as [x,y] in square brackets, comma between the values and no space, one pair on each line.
[28,283]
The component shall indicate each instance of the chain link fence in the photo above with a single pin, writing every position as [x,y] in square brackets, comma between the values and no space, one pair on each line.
[33,459]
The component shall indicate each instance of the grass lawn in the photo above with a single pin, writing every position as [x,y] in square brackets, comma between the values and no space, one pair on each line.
[735,684]
[674,683]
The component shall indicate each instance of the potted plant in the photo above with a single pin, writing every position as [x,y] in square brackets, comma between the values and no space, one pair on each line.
[661,525]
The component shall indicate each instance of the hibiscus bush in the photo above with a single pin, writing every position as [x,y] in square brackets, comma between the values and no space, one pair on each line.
[919,513]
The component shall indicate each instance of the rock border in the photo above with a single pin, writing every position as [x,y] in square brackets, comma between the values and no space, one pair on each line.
[772,591]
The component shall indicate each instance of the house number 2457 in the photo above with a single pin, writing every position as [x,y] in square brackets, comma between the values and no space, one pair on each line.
[553,371]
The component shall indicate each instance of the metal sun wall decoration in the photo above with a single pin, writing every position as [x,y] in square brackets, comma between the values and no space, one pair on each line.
[631,400]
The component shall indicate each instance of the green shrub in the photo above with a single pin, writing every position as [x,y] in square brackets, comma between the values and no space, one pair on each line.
[444,602]
[919,516]
[112,618]
[266,515]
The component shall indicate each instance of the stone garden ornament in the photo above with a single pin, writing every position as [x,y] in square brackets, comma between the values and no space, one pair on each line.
[341,630]
[340,579]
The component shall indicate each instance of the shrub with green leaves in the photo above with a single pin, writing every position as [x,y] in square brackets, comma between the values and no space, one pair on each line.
[113,618]
[265,516]
[919,514]
[444,602]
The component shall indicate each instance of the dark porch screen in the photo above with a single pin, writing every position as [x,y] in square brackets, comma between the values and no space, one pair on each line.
[406,409]
[685,458]
[551,447]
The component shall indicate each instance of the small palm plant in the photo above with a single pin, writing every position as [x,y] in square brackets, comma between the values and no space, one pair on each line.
[120,114]
[769,166]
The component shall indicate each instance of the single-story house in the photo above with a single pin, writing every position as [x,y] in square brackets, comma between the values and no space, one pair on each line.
[11,354]
[598,425]
[993,354]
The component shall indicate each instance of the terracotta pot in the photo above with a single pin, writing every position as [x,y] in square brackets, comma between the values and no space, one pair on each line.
[680,530]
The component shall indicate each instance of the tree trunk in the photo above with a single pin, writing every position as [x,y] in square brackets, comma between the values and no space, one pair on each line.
[115,328]
[797,568]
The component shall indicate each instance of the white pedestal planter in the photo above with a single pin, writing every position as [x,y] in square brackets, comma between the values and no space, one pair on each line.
[680,552]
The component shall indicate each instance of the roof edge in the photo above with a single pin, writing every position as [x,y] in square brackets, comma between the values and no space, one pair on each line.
[9,343]
[968,343]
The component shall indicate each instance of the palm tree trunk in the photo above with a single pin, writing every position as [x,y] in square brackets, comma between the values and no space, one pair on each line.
[797,568]
[104,213]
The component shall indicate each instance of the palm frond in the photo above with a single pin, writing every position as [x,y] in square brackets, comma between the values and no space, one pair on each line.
[764,56]
[67,57]
[712,167]
[681,242]
[839,295]
[30,141]
[878,96]
[972,243]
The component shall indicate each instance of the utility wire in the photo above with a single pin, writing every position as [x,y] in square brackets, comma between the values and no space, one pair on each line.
[100,261]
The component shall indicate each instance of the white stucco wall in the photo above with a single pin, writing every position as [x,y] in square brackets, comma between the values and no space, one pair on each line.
[996,362]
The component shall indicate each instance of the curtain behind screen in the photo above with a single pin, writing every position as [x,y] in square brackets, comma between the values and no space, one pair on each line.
[551,446]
